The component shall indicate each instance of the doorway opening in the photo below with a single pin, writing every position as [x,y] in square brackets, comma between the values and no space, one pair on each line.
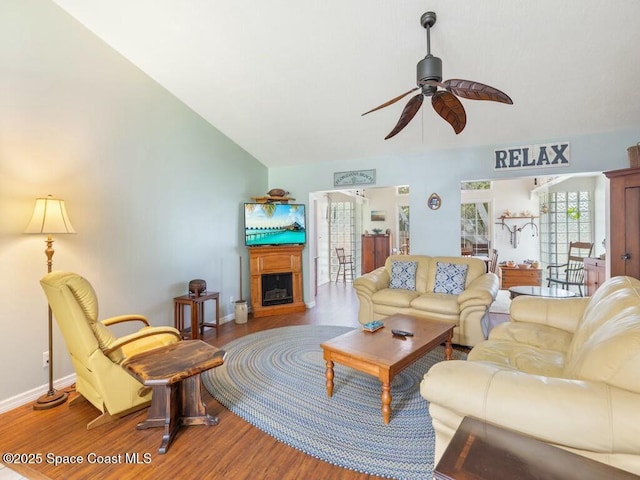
[341,218]
[563,208]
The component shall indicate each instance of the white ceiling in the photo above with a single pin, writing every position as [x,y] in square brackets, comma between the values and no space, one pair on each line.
[287,80]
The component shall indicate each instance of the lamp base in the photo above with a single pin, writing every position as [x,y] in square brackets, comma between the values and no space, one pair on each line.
[50,399]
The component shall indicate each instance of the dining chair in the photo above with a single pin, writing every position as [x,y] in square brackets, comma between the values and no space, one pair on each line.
[344,261]
[570,273]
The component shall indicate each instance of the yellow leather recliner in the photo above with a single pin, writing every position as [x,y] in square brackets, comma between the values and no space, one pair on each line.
[96,353]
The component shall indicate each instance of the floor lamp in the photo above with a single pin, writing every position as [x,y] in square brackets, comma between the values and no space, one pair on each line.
[49,217]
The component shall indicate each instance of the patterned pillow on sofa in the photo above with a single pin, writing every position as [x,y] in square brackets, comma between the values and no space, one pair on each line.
[403,275]
[450,278]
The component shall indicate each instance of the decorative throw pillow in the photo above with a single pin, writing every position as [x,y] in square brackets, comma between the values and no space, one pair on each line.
[403,275]
[450,278]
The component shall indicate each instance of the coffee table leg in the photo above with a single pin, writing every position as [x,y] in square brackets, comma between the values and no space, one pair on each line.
[329,375]
[386,402]
[448,350]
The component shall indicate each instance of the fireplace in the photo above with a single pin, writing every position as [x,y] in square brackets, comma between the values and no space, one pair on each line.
[276,280]
[277,289]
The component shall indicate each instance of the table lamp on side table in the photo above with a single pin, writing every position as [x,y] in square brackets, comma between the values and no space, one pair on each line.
[49,217]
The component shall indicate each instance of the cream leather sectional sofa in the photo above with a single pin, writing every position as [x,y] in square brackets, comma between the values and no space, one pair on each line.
[564,371]
[380,297]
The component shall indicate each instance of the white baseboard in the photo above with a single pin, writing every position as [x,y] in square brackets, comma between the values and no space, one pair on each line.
[33,394]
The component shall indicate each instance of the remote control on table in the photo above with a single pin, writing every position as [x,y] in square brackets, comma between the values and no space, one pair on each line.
[402,333]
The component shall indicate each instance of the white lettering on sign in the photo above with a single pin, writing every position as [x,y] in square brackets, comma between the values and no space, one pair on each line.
[532,156]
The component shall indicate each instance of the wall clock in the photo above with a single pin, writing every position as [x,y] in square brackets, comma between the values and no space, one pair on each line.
[434,201]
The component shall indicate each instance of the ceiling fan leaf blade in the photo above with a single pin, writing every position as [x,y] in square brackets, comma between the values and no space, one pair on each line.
[408,113]
[449,107]
[476,91]
[392,101]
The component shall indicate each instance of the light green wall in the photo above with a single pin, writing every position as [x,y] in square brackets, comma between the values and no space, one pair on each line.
[153,190]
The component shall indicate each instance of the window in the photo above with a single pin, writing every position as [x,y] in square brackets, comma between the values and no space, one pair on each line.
[475,231]
[342,226]
[477,185]
[403,229]
[565,217]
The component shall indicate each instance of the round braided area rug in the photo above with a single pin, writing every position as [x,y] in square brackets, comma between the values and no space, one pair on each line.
[275,380]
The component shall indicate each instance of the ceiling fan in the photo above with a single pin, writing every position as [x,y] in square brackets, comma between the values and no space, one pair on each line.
[444,102]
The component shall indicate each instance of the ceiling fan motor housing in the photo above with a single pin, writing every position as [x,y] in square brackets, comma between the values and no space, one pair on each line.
[429,68]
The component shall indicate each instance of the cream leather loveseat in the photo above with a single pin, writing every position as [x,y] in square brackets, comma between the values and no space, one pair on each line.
[452,289]
[566,372]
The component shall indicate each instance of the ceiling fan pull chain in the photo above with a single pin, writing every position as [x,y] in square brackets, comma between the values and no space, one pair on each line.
[422,115]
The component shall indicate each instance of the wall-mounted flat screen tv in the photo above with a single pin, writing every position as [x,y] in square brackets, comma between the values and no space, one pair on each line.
[274,224]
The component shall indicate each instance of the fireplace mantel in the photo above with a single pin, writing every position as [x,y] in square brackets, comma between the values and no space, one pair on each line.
[268,260]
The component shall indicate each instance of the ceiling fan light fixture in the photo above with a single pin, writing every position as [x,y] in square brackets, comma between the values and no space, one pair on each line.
[429,69]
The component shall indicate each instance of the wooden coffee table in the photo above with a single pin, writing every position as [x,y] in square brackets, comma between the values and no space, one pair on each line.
[382,355]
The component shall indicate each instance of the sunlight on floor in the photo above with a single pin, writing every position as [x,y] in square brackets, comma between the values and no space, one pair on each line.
[7,474]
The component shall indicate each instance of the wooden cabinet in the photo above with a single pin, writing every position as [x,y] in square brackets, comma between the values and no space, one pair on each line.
[624,216]
[514,276]
[375,250]
[594,274]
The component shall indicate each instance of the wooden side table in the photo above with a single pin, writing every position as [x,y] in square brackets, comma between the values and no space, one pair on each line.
[481,451]
[196,305]
[594,274]
[173,373]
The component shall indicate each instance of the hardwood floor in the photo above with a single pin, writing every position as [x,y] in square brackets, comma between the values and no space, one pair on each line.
[231,450]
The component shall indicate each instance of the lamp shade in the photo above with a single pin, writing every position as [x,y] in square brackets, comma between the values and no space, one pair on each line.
[49,216]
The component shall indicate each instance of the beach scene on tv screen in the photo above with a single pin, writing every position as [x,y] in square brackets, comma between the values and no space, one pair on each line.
[274,224]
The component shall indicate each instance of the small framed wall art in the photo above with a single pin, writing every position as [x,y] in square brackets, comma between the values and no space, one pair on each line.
[434,201]
[378,215]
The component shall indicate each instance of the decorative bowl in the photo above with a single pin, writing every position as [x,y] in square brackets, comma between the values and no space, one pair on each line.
[197,287]
[524,265]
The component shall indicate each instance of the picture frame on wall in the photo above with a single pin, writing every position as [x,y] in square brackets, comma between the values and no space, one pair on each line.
[378,215]
[434,201]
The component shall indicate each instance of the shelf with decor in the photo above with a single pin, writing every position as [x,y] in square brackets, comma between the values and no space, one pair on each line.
[269,199]
[515,229]
[503,217]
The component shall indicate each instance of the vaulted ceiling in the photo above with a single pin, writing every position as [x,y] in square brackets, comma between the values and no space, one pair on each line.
[288,80]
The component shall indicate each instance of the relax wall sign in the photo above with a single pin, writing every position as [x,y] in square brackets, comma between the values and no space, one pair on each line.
[532,156]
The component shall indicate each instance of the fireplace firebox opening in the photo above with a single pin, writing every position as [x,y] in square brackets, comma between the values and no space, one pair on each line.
[277,289]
